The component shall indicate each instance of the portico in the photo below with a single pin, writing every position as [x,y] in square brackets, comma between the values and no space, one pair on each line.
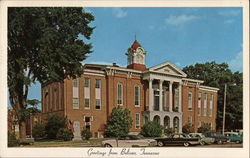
[165,96]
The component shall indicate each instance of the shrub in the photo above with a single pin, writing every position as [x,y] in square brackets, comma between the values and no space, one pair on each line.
[168,131]
[86,134]
[54,123]
[188,128]
[204,129]
[151,129]
[64,134]
[38,130]
[12,141]
[119,122]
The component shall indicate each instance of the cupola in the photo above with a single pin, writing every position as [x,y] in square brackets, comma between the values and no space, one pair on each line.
[136,57]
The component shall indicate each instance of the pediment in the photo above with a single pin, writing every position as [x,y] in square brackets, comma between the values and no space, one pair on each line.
[168,68]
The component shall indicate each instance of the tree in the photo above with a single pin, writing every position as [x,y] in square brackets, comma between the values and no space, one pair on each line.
[54,123]
[44,44]
[217,75]
[38,130]
[151,129]
[188,128]
[119,122]
[86,134]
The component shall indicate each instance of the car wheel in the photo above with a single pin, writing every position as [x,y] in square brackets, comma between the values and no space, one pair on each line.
[237,142]
[107,145]
[186,144]
[219,142]
[202,143]
[160,143]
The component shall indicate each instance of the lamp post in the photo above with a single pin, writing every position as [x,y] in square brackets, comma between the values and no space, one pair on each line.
[224,109]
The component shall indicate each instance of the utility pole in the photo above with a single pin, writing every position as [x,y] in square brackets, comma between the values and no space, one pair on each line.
[224,109]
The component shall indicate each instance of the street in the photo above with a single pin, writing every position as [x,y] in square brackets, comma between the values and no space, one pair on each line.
[225,145]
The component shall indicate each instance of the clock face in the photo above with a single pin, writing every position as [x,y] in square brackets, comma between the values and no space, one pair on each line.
[140,50]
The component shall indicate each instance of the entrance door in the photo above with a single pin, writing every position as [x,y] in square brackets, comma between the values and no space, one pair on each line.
[77,131]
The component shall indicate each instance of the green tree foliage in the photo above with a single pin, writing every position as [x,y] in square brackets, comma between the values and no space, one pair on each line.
[86,134]
[204,129]
[168,131]
[38,130]
[12,140]
[64,134]
[217,75]
[119,122]
[54,123]
[188,128]
[151,129]
[44,45]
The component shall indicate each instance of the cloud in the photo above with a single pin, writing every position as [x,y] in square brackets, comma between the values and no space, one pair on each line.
[229,13]
[236,64]
[229,21]
[177,20]
[119,12]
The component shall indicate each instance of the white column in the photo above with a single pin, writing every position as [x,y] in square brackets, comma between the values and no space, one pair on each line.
[160,96]
[170,96]
[180,97]
[150,95]
[171,122]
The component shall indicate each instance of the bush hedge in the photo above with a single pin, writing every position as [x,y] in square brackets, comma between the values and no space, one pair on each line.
[151,129]
[64,134]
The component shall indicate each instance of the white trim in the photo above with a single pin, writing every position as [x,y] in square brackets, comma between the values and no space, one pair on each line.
[192,80]
[93,74]
[170,64]
[207,88]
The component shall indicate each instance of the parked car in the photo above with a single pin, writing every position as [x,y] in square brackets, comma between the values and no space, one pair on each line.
[129,141]
[177,139]
[219,138]
[234,137]
[203,140]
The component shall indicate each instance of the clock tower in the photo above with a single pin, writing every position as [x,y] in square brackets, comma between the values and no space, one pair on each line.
[136,57]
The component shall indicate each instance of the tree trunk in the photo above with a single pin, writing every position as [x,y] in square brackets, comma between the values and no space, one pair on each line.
[22,130]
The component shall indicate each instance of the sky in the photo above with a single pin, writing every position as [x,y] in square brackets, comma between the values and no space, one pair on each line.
[183,36]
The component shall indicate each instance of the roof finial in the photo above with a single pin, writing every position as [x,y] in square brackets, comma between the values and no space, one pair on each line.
[135,36]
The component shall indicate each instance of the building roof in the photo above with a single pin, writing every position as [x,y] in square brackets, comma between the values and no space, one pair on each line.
[135,45]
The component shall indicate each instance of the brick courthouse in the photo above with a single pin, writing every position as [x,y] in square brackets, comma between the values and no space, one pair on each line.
[162,93]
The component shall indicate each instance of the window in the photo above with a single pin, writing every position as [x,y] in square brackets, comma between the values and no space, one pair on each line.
[211,105]
[87,119]
[97,83]
[190,101]
[119,94]
[190,119]
[86,82]
[75,82]
[137,95]
[86,103]
[199,104]
[205,105]
[137,120]
[75,103]
[98,104]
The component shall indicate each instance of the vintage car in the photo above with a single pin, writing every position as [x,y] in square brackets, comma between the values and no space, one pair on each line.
[218,138]
[234,137]
[129,141]
[177,139]
[203,140]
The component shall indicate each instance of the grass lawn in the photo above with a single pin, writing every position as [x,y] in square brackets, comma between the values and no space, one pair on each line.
[58,143]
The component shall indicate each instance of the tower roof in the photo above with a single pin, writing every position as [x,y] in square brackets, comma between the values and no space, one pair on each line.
[135,45]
